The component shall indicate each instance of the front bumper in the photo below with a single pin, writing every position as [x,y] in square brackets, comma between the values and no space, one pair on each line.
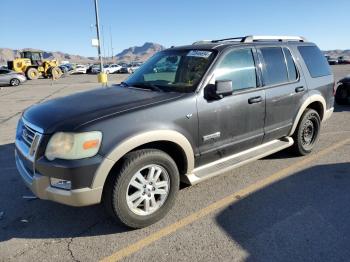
[40,186]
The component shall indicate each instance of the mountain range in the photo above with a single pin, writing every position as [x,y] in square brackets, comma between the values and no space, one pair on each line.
[135,53]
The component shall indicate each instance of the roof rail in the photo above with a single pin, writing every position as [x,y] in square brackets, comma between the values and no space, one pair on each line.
[281,38]
[202,42]
[254,38]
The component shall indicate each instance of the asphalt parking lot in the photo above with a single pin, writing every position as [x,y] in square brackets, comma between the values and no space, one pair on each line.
[280,208]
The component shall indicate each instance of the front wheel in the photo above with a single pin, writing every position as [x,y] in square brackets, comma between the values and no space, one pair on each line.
[307,133]
[143,190]
[15,82]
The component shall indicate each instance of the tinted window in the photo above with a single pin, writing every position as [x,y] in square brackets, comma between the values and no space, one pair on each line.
[3,71]
[315,61]
[238,66]
[292,71]
[275,69]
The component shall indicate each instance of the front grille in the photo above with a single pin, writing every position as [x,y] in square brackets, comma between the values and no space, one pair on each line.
[28,138]
[28,135]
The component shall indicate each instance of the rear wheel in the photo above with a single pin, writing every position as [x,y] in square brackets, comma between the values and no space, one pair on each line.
[143,190]
[32,73]
[342,95]
[15,82]
[307,133]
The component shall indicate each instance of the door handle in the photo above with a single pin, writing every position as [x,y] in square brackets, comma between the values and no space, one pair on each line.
[299,89]
[254,100]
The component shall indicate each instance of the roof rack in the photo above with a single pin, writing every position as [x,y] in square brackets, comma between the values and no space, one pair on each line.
[254,38]
[280,38]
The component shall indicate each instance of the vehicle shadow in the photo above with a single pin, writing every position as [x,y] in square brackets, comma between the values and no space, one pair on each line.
[39,219]
[304,217]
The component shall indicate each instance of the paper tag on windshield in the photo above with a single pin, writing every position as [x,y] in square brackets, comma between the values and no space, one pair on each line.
[199,53]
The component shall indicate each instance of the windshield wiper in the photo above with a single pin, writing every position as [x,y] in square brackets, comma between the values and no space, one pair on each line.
[152,87]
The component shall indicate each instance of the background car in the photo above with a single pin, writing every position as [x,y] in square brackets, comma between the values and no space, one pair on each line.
[134,66]
[124,69]
[113,68]
[80,69]
[130,68]
[331,60]
[343,60]
[342,94]
[95,69]
[65,68]
[11,78]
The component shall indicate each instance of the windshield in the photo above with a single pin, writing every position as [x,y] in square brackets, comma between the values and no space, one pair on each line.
[172,70]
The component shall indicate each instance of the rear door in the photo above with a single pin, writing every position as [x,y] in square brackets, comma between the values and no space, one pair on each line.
[236,122]
[284,87]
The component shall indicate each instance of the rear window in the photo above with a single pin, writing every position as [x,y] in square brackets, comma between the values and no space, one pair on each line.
[275,69]
[315,61]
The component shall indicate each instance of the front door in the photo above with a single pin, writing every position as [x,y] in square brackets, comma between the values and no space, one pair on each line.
[236,122]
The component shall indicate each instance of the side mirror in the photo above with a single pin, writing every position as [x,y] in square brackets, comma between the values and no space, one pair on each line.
[223,88]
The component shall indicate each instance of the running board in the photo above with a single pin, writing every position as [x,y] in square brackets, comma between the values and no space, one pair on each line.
[225,164]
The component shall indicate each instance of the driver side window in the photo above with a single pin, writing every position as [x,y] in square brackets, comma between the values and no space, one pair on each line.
[239,67]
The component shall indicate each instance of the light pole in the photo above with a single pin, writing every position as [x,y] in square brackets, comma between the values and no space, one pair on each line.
[98,36]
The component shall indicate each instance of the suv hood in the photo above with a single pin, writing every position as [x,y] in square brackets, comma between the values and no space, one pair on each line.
[68,113]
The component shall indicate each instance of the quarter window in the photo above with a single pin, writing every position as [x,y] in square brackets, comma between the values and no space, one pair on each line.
[275,69]
[239,67]
[315,61]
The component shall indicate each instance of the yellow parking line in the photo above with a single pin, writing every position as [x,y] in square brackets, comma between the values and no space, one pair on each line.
[235,197]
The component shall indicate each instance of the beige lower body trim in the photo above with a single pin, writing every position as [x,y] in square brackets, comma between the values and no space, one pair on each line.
[307,102]
[328,114]
[135,141]
[40,186]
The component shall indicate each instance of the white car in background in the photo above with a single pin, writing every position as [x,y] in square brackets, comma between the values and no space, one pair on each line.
[80,69]
[113,68]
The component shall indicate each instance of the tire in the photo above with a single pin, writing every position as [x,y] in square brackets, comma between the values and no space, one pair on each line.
[15,82]
[32,73]
[55,72]
[342,95]
[307,132]
[118,189]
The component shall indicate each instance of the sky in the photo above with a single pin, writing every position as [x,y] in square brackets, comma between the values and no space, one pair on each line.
[68,25]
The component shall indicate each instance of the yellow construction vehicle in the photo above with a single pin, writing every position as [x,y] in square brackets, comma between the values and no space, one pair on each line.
[32,64]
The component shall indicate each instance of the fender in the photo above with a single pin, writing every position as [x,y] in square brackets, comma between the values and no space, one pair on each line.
[307,102]
[138,140]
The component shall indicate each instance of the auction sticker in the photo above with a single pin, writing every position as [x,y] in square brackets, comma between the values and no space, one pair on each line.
[199,53]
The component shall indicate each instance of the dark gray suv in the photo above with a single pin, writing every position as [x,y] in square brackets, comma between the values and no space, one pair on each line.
[215,106]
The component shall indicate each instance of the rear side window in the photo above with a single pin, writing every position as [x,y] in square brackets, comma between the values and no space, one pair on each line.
[315,61]
[292,71]
[275,69]
[238,66]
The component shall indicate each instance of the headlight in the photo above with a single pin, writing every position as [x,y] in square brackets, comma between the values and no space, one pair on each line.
[73,145]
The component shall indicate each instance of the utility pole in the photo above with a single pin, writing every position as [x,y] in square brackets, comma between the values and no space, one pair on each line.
[110,35]
[98,35]
[103,42]
[102,77]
